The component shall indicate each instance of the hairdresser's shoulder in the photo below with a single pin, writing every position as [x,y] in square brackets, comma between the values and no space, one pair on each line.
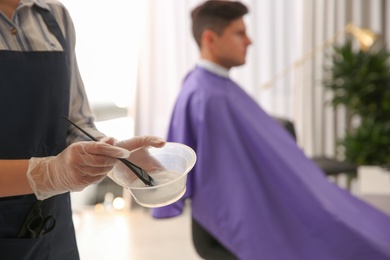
[53,5]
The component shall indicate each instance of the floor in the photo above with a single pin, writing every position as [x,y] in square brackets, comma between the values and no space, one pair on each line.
[134,234]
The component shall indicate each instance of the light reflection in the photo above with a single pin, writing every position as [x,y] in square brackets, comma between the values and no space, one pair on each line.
[118,203]
[99,207]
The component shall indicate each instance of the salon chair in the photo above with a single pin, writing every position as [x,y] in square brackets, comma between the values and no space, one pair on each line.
[330,166]
[207,246]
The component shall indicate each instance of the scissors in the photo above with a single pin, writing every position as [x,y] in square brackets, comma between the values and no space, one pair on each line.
[36,225]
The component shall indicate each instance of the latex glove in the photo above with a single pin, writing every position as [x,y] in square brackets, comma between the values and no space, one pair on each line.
[139,156]
[76,167]
[139,142]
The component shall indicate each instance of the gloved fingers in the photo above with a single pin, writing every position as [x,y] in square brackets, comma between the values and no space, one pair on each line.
[145,160]
[99,148]
[142,158]
[141,141]
[109,140]
[93,170]
[92,154]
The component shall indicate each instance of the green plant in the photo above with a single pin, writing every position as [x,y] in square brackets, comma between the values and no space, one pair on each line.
[360,81]
[369,144]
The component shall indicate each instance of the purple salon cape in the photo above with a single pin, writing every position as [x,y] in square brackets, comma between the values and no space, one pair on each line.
[255,190]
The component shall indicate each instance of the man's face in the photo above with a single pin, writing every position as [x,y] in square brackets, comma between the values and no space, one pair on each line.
[229,49]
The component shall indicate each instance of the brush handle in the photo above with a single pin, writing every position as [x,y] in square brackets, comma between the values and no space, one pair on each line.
[82,130]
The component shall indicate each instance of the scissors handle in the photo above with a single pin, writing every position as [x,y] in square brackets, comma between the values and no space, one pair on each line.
[36,225]
[48,225]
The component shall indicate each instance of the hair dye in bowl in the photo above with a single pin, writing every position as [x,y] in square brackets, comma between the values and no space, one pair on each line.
[160,178]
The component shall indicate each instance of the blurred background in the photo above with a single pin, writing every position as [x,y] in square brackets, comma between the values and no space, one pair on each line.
[133,56]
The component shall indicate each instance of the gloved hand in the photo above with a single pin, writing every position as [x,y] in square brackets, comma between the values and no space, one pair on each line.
[139,156]
[81,164]
[76,167]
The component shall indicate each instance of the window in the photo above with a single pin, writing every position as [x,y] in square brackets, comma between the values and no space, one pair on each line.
[107,41]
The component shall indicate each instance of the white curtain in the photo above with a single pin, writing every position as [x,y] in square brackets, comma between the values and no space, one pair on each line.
[167,52]
[283,31]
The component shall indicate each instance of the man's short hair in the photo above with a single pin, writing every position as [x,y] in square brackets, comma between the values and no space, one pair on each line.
[215,15]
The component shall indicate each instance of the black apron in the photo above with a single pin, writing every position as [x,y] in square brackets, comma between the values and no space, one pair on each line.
[34,95]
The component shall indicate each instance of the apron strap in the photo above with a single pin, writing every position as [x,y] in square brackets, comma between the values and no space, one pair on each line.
[53,26]
[55,29]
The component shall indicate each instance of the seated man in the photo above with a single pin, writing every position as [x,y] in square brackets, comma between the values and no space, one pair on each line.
[253,190]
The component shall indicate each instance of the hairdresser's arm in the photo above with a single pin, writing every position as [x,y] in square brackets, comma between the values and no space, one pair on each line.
[13,179]
[76,167]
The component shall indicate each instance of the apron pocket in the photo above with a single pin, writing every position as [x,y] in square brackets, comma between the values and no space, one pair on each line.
[13,213]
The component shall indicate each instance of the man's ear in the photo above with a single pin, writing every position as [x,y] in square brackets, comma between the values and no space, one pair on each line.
[208,37]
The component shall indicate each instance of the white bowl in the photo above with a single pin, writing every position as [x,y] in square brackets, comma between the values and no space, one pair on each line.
[174,161]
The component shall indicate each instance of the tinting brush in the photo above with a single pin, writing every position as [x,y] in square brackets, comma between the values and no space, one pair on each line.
[141,173]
